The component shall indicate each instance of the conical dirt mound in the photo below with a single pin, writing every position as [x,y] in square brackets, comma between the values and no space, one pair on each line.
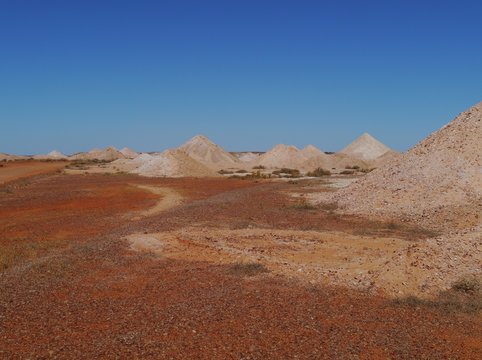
[282,156]
[208,153]
[438,182]
[366,148]
[108,154]
[129,153]
[173,163]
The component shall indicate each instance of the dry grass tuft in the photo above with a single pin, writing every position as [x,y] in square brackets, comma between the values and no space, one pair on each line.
[247,269]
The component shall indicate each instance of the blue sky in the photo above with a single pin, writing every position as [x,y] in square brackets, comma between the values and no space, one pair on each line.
[248,74]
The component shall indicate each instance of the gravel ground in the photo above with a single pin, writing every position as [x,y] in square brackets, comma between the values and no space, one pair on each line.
[93,297]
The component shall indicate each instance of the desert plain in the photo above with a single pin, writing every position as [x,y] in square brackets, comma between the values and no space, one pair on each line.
[197,252]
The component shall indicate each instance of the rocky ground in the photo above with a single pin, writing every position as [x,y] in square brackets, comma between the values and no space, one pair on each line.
[215,276]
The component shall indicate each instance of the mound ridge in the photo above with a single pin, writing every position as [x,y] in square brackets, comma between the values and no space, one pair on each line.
[108,154]
[439,181]
[129,153]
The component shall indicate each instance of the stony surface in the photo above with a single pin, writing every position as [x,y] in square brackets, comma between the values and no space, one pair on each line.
[81,292]
[437,183]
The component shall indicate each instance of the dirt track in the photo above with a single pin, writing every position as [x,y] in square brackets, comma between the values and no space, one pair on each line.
[85,294]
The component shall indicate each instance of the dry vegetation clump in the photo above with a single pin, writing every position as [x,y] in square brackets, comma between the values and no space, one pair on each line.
[347,172]
[328,206]
[366,171]
[247,269]
[302,205]
[84,164]
[287,172]
[259,167]
[318,172]
[225,172]
[464,296]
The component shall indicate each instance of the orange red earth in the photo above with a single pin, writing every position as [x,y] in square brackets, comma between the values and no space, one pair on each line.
[85,294]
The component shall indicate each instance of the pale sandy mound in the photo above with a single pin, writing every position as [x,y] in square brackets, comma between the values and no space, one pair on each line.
[282,156]
[108,154]
[247,157]
[366,148]
[129,165]
[129,153]
[437,183]
[174,163]
[311,151]
[208,153]
[53,155]
[386,158]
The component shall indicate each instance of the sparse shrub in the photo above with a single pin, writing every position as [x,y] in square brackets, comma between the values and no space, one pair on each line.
[258,175]
[225,172]
[84,164]
[467,285]
[259,167]
[318,172]
[247,269]
[394,226]
[366,171]
[347,172]
[242,171]
[464,296]
[292,173]
[303,206]
[328,206]
[354,167]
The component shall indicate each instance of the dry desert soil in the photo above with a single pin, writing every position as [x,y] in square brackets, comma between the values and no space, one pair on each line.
[121,266]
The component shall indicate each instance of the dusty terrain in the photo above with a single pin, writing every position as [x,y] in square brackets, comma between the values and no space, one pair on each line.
[109,266]
[10,171]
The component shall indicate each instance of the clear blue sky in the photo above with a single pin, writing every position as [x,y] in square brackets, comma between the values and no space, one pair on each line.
[248,74]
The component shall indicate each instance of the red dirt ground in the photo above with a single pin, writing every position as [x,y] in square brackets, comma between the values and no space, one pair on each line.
[15,170]
[92,297]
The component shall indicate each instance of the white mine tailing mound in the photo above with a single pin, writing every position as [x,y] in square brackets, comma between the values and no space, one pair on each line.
[282,156]
[108,154]
[307,159]
[366,148]
[129,153]
[311,151]
[211,155]
[173,163]
[248,157]
[437,183]
[53,155]
[56,155]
